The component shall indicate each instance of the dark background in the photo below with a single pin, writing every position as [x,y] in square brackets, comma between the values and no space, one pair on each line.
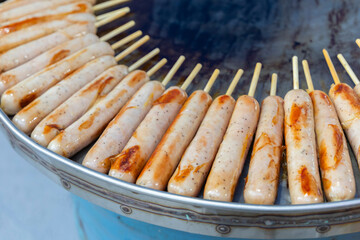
[232,34]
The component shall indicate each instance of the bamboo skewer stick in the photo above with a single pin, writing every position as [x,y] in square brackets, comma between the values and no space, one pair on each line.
[117,31]
[191,77]
[144,59]
[331,67]
[234,82]
[212,80]
[126,40]
[274,79]
[110,14]
[108,4]
[295,65]
[117,15]
[173,70]
[358,42]
[157,66]
[132,48]
[255,79]
[309,81]
[348,69]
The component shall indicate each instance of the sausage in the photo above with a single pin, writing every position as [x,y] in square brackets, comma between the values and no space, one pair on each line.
[129,163]
[89,126]
[191,173]
[44,16]
[303,170]
[263,176]
[30,9]
[335,164]
[23,53]
[347,105]
[27,119]
[10,4]
[167,154]
[20,95]
[16,75]
[119,131]
[66,113]
[229,160]
[39,30]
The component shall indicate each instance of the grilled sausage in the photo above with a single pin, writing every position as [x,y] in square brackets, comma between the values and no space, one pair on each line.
[191,173]
[23,53]
[129,163]
[263,176]
[30,9]
[43,16]
[347,105]
[20,95]
[119,131]
[167,154]
[27,119]
[335,164]
[39,30]
[16,75]
[66,113]
[229,161]
[87,128]
[303,171]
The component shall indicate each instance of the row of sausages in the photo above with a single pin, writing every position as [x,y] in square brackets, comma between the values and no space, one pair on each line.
[65,96]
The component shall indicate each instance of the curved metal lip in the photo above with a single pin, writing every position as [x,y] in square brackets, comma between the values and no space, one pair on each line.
[227,206]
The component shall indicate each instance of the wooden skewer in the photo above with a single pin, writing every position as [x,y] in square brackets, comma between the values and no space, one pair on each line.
[108,14]
[108,4]
[173,70]
[358,42]
[295,66]
[144,59]
[234,82]
[126,40]
[274,78]
[191,77]
[348,69]
[309,81]
[117,31]
[117,15]
[255,79]
[132,48]
[331,67]
[212,80]
[157,66]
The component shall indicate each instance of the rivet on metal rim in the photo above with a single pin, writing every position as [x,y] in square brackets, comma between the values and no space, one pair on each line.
[65,184]
[323,228]
[125,209]
[223,229]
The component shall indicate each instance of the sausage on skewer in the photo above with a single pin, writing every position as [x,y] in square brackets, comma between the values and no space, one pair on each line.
[66,113]
[335,164]
[230,158]
[351,73]
[167,154]
[302,164]
[195,164]
[120,129]
[263,177]
[128,164]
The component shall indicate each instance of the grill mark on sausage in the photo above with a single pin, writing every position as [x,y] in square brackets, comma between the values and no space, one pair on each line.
[347,93]
[59,56]
[49,127]
[12,27]
[28,99]
[308,183]
[88,123]
[297,120]
[170,96]
[326,183]
[137,78]
[326,162]
[8,78]
[183,173]
[126,161]
[116,98]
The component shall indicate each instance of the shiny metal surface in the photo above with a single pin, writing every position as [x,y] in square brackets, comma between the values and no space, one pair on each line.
[227,35]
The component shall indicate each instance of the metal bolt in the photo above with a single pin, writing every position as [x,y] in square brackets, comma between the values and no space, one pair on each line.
[323,228]
[65,184]
[126,209]
[223,229]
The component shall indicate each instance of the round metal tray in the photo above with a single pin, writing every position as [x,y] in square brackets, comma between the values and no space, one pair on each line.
[225,35]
